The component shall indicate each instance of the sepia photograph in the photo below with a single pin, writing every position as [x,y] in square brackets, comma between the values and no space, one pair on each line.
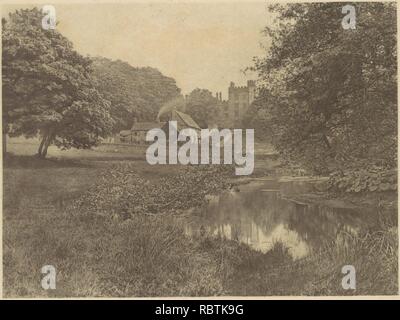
[199,149]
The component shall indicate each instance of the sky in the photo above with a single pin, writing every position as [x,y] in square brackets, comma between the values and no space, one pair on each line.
[200,45]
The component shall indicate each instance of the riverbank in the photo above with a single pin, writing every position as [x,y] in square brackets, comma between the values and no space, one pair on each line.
[151,256]
[109,247]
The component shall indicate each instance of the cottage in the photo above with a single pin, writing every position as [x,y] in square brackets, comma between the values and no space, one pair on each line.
[137,134]
[183,121]
[125,136]
[139,130]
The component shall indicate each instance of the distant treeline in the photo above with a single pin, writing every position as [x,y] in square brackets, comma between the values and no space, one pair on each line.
[133,92]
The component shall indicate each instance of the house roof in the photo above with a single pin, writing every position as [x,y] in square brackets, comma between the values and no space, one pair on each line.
[145,126]
[125,133]
[188,121]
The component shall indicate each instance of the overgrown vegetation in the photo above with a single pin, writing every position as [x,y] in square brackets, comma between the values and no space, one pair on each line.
[328,96]
[364,180]
[123,192]
[373,254]
[328,102]
[150,255]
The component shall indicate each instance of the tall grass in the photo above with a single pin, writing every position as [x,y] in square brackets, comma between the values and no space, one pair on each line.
[100,256]
[105,255]
[151,256]
[373,254]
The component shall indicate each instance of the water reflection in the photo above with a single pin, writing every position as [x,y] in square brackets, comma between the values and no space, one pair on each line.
[264,213]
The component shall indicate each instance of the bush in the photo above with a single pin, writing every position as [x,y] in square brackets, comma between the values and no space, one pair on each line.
[121,191]
[364,180]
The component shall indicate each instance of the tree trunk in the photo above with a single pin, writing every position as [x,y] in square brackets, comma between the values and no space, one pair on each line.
[4,143]
[44,144]
[40,150]
[45,147]
[327,143]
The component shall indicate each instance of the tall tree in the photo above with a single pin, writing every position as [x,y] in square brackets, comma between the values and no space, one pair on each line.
[334,90]
[134,92]
[47,88]
[258,116]
[201,106]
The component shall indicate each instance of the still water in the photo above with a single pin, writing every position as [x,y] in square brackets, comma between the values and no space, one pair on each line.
[262,213]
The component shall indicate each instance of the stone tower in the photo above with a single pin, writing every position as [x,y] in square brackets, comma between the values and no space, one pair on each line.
[239,100]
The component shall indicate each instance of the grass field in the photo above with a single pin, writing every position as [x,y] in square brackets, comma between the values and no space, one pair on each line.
[150,255]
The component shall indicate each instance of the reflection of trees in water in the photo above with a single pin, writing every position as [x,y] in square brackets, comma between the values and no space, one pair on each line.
[235,216]
[317,224]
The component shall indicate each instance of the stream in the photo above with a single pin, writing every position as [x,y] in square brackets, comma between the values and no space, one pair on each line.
[261,213]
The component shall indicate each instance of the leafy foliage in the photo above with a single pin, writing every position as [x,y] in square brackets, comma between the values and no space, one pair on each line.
[258,116]
[364,180]
[330,93]
[121,191]
[134,92]
[47,88]
[201,106]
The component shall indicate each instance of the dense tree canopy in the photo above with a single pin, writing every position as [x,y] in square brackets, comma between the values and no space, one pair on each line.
[47,88]
[258,116]
[134,92]
[201,106]
[331,93]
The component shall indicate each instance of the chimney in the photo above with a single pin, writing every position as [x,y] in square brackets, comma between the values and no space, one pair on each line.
[220,96]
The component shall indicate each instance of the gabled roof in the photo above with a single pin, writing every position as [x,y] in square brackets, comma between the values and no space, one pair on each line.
[188,121]
[125,133]
[145,126]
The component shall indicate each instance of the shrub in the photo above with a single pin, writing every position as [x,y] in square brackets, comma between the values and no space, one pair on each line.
[364,180]
[123,192]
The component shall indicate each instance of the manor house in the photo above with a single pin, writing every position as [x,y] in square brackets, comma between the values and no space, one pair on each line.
[231,112]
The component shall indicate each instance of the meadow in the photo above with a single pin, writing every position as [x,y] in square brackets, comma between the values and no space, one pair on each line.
[149,254]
